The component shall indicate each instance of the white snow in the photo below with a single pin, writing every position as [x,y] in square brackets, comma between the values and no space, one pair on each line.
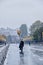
[29,58]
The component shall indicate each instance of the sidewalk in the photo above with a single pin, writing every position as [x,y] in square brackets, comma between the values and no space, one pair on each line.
[14,57]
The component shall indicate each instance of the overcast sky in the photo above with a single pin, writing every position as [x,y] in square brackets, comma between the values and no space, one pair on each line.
[13,13]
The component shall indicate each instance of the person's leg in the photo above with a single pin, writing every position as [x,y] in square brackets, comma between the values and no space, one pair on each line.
[22,50]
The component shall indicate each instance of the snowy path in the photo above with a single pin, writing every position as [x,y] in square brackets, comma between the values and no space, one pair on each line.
[14,57]
[33,55]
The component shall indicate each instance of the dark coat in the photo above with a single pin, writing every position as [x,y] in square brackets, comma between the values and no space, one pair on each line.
[21,45]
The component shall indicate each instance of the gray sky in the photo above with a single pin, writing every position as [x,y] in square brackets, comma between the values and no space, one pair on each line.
[13,13]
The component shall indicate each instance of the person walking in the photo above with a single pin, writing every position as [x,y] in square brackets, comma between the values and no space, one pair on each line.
[21,46]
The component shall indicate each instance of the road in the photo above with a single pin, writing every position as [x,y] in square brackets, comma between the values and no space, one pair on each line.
[33,55]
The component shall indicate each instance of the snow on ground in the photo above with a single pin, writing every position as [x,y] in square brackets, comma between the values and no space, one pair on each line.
[37,54]
[29,58]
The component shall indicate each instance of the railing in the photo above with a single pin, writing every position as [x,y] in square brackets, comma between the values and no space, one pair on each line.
[3,52]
